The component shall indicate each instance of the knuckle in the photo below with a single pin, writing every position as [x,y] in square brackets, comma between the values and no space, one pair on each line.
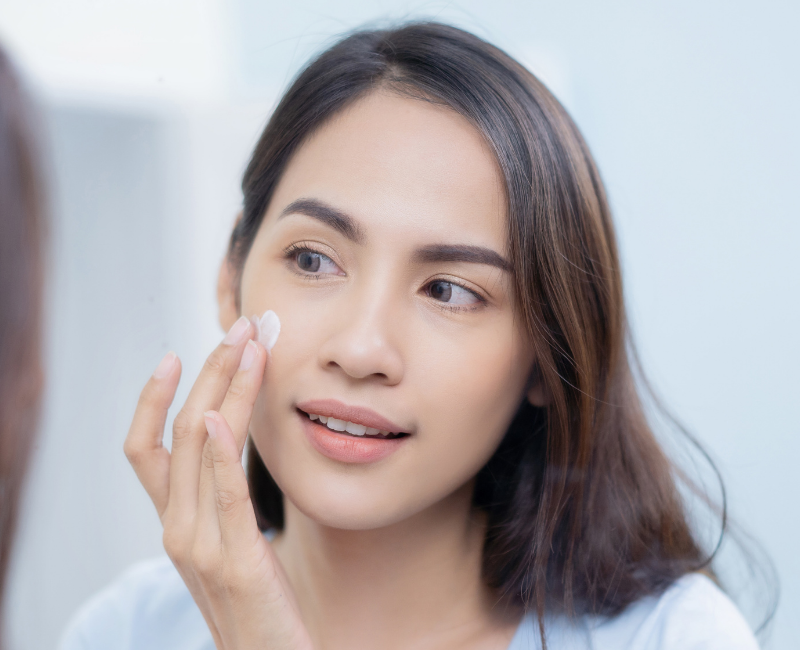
[181,426]
[237,390]
[228,500]
[132,452]
[215,363]
[174,544]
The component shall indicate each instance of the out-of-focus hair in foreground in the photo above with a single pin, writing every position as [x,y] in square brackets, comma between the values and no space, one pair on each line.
[22,226]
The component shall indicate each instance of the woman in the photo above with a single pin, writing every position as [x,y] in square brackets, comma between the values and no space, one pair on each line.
[21,237]
[447,448]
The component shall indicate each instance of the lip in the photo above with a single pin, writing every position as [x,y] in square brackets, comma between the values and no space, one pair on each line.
[357,414]
[344,447]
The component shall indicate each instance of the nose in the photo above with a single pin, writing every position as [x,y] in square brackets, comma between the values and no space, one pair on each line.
[363,340]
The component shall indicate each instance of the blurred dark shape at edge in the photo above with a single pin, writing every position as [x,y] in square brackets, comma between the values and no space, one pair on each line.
[22,240]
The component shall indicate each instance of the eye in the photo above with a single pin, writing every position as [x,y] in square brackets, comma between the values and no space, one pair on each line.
[313,262]
[453,294]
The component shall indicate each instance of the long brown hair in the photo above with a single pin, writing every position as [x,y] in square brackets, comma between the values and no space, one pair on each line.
[21,241]
[584,515]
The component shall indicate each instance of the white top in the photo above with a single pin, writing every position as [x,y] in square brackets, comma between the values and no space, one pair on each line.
[150,608]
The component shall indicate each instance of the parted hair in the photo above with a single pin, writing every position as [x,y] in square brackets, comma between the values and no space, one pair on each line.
[583,510]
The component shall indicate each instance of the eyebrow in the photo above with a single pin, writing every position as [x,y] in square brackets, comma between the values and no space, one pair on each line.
[432,253]
[458,253]
[328,215]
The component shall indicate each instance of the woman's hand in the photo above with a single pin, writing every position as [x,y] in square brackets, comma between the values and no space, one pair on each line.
[201,494]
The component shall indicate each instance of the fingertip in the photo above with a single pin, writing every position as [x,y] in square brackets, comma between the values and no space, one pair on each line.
[211,423]
[167,365]
[218,429]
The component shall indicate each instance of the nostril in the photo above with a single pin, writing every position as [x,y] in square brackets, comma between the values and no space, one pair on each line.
[353,374]
[361,355]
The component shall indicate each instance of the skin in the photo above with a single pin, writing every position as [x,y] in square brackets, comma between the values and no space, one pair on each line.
[384,554]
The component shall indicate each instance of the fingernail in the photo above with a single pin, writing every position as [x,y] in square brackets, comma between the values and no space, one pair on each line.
[237,332]
[211,424]
[165,365]
[249,355]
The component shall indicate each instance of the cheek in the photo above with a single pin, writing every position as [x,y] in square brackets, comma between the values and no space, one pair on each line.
[295,349]
[471,389]
[300,331]
[294,353]
[472,376]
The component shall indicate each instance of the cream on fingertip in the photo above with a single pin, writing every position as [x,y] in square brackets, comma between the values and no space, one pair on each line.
[268,328]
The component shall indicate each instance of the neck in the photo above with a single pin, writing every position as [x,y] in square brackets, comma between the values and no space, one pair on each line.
[415,583]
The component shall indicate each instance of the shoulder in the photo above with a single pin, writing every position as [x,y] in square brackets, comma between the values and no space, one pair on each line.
[147,607]
[693,614]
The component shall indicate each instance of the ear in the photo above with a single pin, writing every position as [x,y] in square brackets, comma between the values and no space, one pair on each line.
[226,295]
[536,391]
[227,304]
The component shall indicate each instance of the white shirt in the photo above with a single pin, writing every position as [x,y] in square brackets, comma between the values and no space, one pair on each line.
[150,608]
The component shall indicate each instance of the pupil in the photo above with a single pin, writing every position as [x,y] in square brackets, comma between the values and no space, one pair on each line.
[442,291]
[308,261]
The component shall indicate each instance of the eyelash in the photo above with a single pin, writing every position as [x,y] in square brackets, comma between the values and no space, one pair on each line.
[291,252]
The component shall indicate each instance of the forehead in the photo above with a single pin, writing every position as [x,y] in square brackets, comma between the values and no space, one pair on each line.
[402,164]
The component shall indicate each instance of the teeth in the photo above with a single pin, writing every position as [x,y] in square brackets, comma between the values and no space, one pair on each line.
[355,429]
[350,427]
[336,425]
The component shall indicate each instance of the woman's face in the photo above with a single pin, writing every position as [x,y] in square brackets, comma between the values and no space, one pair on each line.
[383,252]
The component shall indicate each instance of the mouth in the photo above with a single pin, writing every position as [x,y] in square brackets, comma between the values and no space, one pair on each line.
[350,434]
[354,429]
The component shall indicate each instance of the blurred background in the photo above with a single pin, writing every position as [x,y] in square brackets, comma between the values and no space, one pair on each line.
[149,109]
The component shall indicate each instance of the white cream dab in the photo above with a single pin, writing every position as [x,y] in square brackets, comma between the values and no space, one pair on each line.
[268,328]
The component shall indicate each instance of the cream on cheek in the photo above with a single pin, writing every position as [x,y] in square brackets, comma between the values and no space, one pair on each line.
[268,328]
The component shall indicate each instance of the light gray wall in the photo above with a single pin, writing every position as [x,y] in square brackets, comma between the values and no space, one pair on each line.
[106,321]
[143,199]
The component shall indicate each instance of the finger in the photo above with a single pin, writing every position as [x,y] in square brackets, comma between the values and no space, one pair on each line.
[236,409]
[237,521]
[207,531]
[189,430]
[144,442]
